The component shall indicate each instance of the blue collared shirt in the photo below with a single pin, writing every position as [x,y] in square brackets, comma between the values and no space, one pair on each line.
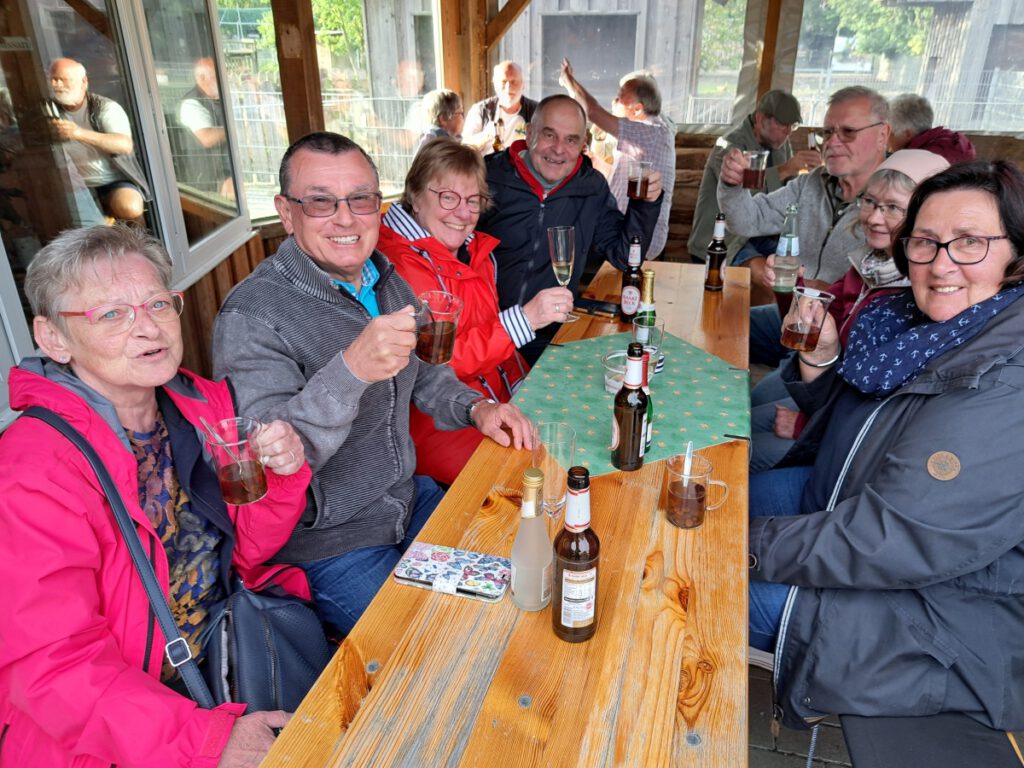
[365,295]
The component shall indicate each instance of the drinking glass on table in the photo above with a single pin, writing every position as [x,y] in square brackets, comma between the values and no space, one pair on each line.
[554,452]
[562,249]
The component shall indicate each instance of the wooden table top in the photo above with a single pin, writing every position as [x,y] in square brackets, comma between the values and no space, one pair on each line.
[429,679]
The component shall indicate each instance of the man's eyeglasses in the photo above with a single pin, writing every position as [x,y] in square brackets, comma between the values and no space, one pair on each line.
[117,318]
[888,210]
[967,249]
[845,133]
[450,200]
[322,206]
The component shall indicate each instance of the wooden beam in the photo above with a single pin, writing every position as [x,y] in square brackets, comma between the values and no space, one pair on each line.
[94,18]
[452,41]
[766,66]
[498,26]
[300,70]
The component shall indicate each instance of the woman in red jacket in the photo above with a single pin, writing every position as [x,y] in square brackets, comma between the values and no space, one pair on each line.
[430,237]
[83,678]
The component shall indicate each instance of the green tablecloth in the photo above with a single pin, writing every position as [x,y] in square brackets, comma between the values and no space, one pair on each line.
[697,397]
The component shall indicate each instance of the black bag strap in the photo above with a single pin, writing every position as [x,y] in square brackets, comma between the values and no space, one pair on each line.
[177,648]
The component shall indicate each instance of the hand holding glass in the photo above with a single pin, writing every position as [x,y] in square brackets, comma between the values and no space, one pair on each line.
[562,250]
[802,324]
[232,444]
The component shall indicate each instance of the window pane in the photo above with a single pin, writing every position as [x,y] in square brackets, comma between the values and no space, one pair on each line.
[694,50]
[190,92]
[969,69]
[70,148]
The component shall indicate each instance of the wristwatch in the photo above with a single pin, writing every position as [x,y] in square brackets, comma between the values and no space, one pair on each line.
[474,404]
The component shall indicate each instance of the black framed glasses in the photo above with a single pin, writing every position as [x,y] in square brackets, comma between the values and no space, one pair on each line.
[966,249]
[450,200]
[888,210]
[845,133]
[118,318]
[322,206]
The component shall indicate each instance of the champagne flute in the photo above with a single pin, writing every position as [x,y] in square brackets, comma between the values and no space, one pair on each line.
[562,248]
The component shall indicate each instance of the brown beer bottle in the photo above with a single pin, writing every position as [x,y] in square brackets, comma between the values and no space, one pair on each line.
[629,302]
[577,551]
[629,419]
[716,256]
[499,127]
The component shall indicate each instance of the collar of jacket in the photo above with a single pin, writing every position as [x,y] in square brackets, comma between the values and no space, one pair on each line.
[297,267]
[524,171]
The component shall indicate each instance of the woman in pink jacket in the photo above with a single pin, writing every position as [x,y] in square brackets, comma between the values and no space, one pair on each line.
[430,236]
[83,678]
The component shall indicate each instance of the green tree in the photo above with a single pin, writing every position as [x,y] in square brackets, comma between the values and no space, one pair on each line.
[721,42]
[338,24]
[883,30]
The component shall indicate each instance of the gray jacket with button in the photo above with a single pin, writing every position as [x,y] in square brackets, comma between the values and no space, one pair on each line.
[909,586]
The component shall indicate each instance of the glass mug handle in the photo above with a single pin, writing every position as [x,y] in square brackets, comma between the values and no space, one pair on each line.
[725,494]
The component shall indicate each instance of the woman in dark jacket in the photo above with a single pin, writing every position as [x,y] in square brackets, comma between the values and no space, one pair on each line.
[889,578]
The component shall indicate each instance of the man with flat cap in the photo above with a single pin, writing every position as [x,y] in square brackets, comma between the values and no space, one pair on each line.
[776,116]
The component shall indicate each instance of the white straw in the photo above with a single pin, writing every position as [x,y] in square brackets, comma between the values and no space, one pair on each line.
[687,463]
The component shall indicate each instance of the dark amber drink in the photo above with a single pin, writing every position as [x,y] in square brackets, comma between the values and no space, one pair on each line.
[801,337]
[435,342]
[242,482]
[686,504]
[638,187]
[753,178]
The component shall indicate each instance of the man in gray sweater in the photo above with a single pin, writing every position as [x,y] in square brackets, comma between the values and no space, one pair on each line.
[856,132]
[322,334]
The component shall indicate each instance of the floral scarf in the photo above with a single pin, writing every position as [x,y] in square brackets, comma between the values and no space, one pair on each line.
[892,340]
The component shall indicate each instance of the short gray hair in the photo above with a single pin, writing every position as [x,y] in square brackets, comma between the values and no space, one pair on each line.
[58,267]
[322,142]
[890,178]
[441,103]
[645,90]
[910,112]
[879,106]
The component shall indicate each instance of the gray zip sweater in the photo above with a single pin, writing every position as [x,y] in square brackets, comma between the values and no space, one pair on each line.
[826,241]
[279,338]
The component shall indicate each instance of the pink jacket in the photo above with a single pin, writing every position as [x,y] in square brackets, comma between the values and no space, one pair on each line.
[80,658]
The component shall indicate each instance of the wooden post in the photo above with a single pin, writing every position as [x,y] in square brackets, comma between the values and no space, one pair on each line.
[766,67]
[296,55]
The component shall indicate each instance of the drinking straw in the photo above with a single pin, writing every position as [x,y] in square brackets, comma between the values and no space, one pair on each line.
[220,441]
[687,462]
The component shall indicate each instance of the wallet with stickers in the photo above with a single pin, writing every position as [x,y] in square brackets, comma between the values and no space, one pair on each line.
[454,571]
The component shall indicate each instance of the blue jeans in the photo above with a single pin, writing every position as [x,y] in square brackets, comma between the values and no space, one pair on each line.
[344,585]
[765,331]
[772,494]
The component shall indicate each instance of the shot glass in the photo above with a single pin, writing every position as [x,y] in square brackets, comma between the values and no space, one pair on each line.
[639,179]
[753,174]
[437,318]
[553,454]
[650,333]
[687,490]
[802,324]
[237,456]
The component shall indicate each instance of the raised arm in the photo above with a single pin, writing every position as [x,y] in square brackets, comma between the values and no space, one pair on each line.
[597,114]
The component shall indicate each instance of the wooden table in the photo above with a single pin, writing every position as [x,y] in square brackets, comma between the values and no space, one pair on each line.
[429,679]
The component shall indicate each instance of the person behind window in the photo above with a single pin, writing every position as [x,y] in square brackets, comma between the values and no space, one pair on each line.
[442,109]
[507,105]
[912,118]
[322,334]
[97,136]
[544,182]
[83,675]
[431,239]
[641,133]
[890,577]
[202,113]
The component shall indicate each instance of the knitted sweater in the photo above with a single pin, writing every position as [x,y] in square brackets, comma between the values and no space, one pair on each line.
[279,337]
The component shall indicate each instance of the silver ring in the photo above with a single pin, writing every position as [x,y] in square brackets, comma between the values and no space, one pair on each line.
[558,308]
[292,453]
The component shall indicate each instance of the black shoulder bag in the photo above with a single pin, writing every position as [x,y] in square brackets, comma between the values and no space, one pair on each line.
[262,650]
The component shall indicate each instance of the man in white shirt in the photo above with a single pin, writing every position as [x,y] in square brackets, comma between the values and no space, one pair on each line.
[504,115]
[97,138]
[642,133]
[202,113]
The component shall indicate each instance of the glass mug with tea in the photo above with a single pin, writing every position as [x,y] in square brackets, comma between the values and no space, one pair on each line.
[801,326]
[232,443]
[757,164]
[688,489]
[639,179]
[437,318]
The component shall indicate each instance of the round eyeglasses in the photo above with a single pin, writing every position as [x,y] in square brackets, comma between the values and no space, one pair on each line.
[117,318]
[888,210]
[966,249]
[322,206]
[450,200]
